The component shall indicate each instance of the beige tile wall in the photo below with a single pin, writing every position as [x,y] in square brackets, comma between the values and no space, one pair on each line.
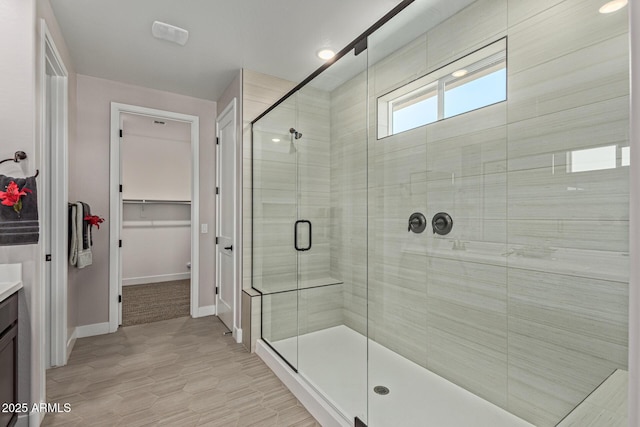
[348,199]
[568,87]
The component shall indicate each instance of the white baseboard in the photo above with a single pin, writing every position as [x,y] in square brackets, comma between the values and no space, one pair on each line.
[33,419]
[207,310]
[24,420]
[143,280]
[92,330]
[237,334]
[326,415]
[71,342]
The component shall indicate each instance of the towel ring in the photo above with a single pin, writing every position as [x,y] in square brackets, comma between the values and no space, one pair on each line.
[17,156]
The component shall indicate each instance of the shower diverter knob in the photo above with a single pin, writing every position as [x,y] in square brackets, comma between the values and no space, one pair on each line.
[442,223]
[417,222]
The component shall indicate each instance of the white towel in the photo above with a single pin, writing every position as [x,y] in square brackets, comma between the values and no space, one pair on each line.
[80,251]
[85,257]
[73,244]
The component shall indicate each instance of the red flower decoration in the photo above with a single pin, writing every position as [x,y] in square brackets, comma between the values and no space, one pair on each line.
[12,197]
[94,220]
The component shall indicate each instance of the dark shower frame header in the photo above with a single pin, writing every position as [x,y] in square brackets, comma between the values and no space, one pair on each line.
[359,44]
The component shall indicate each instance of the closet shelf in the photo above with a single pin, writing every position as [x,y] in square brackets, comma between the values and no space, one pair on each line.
[159,202]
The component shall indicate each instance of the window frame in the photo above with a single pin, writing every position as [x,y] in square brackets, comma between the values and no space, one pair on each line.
[484,61]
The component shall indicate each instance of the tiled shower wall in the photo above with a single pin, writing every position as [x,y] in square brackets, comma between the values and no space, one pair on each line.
[349,198]
[532,314]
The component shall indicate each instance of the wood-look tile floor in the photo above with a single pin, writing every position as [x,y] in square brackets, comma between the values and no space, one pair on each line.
[179,372]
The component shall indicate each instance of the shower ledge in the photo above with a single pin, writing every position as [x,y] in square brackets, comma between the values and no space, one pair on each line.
[594,264]
[10,280]
[606,404]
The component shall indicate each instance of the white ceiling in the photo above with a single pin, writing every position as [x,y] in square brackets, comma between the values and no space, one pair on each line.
[112,38]
[406,26]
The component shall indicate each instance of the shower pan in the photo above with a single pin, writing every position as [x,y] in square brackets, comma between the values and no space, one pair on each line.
[447,244]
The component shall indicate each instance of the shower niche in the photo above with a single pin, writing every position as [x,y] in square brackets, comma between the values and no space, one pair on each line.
[506,302]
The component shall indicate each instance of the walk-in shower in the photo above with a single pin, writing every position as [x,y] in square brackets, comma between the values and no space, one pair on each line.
[447,245]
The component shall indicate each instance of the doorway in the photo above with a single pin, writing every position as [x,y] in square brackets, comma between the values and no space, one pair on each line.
[54,194]
[154,214]
[156,218]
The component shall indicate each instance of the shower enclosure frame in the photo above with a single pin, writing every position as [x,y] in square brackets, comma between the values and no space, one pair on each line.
[360,43]
[634,231]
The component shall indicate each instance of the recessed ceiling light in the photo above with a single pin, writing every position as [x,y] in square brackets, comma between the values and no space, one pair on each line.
[161,30]
[326,54]
[276,139]
[613,6]
[459,73]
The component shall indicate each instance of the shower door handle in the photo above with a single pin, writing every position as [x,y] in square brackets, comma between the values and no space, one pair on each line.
[295,235]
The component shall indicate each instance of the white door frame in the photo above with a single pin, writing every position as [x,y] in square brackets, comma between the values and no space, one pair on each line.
[230,109]
[115,228]
[58,162]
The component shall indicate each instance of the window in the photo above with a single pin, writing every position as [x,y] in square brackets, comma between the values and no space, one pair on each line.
[599,158]
[626,156]
[476,91]
[593,159]
[474,81]
[414,109]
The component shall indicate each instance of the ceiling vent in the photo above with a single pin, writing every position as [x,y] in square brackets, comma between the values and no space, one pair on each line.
[168,32]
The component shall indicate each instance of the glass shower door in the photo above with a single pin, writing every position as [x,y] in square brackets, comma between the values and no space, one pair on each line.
[332,234]
[274,216]
[437,238]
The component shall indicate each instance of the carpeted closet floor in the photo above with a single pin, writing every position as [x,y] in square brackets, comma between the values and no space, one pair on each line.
[155,301]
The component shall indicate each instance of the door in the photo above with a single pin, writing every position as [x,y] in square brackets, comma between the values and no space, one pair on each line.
[226,208]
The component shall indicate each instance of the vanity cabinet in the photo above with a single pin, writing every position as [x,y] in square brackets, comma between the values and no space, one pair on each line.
[8,358]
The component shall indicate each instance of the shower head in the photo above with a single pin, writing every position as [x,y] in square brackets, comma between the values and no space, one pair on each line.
[295,133]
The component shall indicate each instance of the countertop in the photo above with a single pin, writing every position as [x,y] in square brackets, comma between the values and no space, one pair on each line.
[10,280]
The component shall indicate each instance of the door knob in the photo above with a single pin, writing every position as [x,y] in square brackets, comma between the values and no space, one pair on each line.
[229,248]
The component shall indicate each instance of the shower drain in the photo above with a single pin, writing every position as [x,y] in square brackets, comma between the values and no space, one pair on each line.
[380,389]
